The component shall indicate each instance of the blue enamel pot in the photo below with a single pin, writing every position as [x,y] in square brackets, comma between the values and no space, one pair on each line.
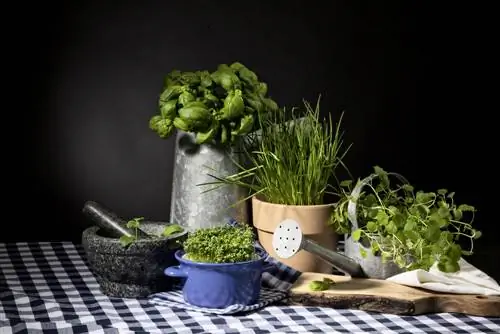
[218,285]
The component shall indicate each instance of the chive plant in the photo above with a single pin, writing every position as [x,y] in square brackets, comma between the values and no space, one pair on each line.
[292,159]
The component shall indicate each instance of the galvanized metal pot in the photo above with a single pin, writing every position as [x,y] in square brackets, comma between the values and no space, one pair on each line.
[193,207]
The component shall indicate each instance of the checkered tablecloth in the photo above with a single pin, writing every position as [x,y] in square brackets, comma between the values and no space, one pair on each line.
[48,288]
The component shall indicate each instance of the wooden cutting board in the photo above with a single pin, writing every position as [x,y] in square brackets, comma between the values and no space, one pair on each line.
[387,297]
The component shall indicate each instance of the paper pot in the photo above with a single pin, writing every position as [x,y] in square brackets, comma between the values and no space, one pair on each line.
[313,221]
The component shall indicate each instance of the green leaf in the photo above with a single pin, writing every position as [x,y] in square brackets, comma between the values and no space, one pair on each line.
[399,220]
[409,243]
[375,247]
[412,235]
[435,248]
[399,234]
[450,195]
[134,223]
[427,262]
[362,252]
[391,227]
[448,266]
[409,200]
[432,233]
[382,217]
[410,225]
[369,200]
[400,261]
[425,198]
[442,191]
[423,210]
[454,252]
[371,226]
[444,212]
[447,236]
[356,235]
[407,187]
[321,285]
[346,183]
[172,229]
[393,210]
[371,213]
[457,214]
[465,207]
[435,219]
[383,176]
[379,171]
[476,234]
[126,240]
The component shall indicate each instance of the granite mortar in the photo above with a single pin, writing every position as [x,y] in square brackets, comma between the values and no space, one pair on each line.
[134,271]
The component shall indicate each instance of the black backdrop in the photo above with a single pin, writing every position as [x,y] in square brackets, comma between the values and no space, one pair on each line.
[84,80]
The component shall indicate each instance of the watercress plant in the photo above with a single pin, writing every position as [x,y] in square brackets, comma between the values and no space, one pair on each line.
[415,229]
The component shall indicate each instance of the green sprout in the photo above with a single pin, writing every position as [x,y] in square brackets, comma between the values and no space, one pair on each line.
[325,284]
[135,224]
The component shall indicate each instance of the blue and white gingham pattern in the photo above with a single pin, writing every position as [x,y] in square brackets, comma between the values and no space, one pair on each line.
[175,299]
[48,288]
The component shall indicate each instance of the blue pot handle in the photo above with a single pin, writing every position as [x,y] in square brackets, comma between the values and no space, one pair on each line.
[174,271]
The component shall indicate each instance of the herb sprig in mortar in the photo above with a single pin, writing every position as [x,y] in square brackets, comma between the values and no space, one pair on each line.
[135,224]
[221,244]
[412,228]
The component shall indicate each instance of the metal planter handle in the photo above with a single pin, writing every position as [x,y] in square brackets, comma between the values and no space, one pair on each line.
[355,193]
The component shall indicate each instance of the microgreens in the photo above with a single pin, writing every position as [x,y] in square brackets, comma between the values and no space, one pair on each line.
[220,244]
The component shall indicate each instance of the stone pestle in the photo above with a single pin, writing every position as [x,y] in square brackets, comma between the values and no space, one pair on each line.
[114,226]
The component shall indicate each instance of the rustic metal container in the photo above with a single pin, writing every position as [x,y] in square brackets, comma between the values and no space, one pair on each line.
[191,205]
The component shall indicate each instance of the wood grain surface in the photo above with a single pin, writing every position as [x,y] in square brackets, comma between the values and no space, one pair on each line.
[387,297]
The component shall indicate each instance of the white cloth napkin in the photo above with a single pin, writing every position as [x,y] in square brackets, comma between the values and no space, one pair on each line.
[468,280]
